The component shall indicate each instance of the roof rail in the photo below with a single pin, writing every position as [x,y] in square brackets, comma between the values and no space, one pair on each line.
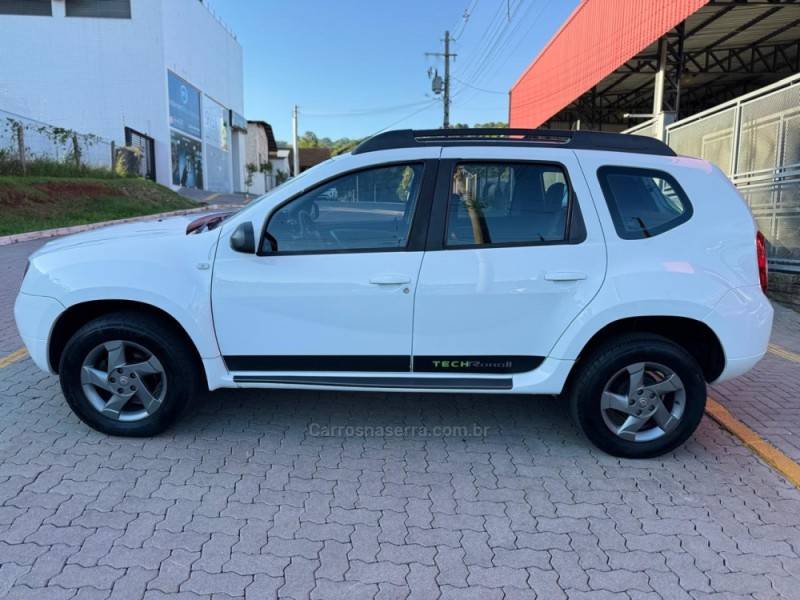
[574,140]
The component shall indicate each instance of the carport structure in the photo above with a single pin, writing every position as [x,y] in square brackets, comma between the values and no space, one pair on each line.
[719,79]
[616,58]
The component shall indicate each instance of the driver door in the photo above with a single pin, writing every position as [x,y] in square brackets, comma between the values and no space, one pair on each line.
[332,288]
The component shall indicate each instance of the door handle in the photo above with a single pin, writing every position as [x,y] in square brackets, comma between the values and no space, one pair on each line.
[564,276]
[390,279]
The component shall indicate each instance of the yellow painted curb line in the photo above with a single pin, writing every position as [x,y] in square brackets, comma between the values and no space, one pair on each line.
[13,357]
[766,451]
[784,353]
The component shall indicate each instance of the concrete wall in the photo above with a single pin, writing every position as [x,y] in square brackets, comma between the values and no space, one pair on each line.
[257,153]
[99,75]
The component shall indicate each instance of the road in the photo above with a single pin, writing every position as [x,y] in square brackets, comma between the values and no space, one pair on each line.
[478,497]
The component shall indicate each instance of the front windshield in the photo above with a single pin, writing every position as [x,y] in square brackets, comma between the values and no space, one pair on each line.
[291,180]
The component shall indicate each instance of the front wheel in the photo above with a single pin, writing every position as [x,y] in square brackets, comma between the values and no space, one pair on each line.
[638,396]
[128,374]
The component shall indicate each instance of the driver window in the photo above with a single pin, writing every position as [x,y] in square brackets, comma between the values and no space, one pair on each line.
[365,210]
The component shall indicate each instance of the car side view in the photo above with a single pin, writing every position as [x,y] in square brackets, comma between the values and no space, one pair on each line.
[599,267]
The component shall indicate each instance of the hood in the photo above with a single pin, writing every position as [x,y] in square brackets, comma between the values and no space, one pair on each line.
[143,230]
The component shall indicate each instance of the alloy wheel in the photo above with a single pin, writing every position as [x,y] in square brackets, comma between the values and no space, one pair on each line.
[123,380]
[643,402]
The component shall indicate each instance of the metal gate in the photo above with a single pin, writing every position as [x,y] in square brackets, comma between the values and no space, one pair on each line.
[147,166]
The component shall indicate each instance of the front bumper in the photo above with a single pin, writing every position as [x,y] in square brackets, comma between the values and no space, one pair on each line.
[35,317]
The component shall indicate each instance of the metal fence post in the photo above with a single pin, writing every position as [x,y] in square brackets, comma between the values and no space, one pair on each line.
[737,127]
[113,152]
[21,145]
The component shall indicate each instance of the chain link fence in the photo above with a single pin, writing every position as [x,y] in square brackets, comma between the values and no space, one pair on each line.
[755,140]
[24,141]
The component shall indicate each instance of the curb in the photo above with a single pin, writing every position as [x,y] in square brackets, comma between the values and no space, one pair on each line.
[13,357]
[28,236]
[759,446]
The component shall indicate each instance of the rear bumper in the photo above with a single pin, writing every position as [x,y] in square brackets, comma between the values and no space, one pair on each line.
[743,322]
[35,316]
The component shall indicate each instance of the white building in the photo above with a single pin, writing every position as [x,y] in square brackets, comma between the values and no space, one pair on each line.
[164,75]
[267,165]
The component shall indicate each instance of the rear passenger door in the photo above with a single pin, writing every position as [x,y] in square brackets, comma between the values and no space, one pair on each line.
[514,253]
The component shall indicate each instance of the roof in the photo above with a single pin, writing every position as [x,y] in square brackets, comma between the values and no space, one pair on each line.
[272,146]
[313,156]
[604,57]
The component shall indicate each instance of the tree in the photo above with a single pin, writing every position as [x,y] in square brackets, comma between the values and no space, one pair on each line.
[308,140]
[343,145]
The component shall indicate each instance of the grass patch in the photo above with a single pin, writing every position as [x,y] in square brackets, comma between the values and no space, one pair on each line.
[34,203]
[47,167]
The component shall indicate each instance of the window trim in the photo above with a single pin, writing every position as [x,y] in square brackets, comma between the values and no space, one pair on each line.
[416,232]
[613,209]
[437,237]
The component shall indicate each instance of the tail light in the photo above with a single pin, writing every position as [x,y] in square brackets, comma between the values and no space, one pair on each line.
[761,254]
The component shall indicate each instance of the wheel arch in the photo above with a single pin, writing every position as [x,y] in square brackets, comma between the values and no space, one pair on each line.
[693,335]
[77,315]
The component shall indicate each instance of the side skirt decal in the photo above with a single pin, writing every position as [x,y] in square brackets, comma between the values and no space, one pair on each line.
[422,383]
[444,365]
[373,364]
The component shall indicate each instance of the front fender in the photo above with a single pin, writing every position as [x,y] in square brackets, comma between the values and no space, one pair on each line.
[170,273]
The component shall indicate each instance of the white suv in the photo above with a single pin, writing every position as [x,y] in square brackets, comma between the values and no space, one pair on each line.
[597,266]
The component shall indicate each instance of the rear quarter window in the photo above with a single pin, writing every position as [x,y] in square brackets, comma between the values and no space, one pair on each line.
[643,202]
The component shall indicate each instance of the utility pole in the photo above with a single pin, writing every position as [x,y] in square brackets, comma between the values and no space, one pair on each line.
[446,91]
[295,151]
[446,122]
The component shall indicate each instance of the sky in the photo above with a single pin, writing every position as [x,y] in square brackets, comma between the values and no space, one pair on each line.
[356,67]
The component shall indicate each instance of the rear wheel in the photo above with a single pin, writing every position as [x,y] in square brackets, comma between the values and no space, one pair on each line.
[128,374]
[638,396]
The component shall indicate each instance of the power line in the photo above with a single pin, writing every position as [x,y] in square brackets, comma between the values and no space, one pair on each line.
[364,111]
[400,120]
[469,85]
[499,43]
[524,36]
[464,21]
[489,28]
[499,52]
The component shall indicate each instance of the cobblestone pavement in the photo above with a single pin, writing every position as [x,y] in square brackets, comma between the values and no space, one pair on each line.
[12,267]
[767,398]
[247,497]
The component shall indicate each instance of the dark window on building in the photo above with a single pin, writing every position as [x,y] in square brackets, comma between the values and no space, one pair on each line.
[495,203]
[643,202]
[110,9]
[40,8]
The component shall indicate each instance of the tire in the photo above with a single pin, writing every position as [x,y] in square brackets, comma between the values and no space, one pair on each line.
[617,416]
[163,386]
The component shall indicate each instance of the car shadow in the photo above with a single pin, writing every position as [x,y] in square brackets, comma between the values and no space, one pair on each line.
[538,420]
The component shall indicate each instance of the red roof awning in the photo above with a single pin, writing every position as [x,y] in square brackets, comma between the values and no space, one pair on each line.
[598,37]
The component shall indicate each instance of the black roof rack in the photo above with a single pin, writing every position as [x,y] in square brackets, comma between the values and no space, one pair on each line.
[574,140]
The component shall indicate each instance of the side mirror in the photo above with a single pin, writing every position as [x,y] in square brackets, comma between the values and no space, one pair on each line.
[243,238]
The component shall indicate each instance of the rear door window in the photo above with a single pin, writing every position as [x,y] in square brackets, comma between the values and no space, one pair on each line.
[495,204]
[643,202]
